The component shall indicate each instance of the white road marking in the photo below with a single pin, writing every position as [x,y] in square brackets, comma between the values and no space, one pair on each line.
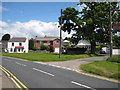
[55,66]
[6,59]
[43,72]
[82,85]
[41,63]
[21,64]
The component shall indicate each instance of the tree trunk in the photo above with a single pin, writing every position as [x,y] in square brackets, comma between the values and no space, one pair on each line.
[93,47]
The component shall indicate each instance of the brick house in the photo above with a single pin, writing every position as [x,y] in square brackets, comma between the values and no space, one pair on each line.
[53,41]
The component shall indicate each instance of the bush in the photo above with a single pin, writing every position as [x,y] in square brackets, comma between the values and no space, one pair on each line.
[34,48]
[31,44]
[47,48]
[67,46]
[51,48]
[42,47]
[115,58]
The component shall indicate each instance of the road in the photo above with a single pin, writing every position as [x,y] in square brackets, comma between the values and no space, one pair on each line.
[36,75]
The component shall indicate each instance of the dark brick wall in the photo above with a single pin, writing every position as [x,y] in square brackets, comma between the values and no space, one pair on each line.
[76,50]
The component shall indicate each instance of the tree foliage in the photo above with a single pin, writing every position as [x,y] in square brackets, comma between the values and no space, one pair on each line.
[116,41]
[92,23]
[5,37]
[31,44]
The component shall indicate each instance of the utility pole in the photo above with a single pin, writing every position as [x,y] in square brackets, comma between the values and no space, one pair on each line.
[111,27]
[110,32]
[60,35]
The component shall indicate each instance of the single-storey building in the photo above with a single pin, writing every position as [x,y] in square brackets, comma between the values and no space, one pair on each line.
[83,44]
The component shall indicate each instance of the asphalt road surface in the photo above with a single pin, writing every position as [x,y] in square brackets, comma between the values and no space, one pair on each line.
[35,75]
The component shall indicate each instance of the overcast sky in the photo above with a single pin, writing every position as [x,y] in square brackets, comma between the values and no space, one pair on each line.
[35,18]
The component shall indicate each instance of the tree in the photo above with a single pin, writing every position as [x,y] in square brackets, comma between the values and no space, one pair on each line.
[92,23]
[116,41]
[5,37]
[31,44]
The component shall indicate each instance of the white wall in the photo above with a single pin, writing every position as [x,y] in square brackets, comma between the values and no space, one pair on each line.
[116,51]
[16,44]
[25,44]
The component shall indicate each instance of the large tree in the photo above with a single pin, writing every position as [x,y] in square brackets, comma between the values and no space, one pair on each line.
[92,23]
[5,37]
[116,41]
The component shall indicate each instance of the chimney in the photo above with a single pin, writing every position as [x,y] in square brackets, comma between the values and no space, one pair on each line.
[45,36]
[26,35]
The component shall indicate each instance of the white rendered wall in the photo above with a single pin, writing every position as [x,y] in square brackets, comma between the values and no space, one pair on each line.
[16,44]
[116,51]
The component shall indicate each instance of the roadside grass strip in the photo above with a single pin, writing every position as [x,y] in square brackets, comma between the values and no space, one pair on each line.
[116,81]
[17,82]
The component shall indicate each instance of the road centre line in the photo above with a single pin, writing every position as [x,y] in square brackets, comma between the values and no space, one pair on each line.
[21,64]
[6,59]
[43,72]
[82,85]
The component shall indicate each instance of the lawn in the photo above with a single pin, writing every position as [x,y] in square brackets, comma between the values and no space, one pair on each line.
[103,68]
[44,57]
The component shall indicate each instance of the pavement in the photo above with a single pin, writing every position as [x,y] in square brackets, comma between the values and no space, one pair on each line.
[28,74]
[5,82]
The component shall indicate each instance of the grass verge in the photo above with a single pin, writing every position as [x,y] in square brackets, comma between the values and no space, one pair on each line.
[103,68]
[44,57]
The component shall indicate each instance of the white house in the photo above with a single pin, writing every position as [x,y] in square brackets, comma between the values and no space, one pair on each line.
[18,45]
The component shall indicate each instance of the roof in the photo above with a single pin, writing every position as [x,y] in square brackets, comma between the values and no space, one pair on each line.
[46,38]
[18,39]
[66,41]
[83,43]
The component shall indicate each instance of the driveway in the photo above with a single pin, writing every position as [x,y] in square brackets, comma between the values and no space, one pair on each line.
[75,64]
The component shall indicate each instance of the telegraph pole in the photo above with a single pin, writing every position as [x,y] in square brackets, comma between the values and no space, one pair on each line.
[60,35]
[111,27]
[110,32]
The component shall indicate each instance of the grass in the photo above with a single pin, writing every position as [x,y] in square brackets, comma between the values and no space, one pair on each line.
[115,58]
[103,68]
[44,57]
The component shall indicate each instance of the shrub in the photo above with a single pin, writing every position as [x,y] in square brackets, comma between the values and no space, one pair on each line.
[51,48]
[34,48]
[115,58]
[47,48]
[68,46]
[42,47]
[31,44]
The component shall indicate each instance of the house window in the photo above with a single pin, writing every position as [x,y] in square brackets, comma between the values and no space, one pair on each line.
[57,41]
[12,44]
[19,49]
[14,49]
[40,42]
[48,41]
[11,49]
[22,49]
[20,44]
